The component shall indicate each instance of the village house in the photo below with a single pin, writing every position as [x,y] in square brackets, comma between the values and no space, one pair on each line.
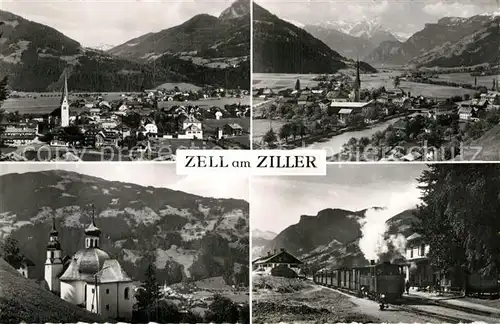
[107,138]
[232,129]
[24,267]
[275,259]
[191,128]
[346,109]
[418,270]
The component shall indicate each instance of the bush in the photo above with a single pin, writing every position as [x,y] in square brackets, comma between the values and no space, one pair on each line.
[283,271]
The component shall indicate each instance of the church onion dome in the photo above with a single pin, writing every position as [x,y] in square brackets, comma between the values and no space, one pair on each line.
[92,230]
[54,245]
[85,264]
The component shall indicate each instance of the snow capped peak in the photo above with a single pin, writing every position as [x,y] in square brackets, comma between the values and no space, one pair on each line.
[362,28]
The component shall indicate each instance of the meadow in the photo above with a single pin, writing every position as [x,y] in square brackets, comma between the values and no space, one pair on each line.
[368,81]
[36,104]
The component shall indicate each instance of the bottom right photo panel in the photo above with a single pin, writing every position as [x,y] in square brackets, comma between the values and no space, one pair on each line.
[377,243]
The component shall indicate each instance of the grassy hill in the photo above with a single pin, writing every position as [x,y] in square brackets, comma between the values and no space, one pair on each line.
[23,300]
[210,37]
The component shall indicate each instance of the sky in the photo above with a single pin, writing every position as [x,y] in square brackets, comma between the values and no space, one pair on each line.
[403,17]
[150,174]
[111,22]
[278,202]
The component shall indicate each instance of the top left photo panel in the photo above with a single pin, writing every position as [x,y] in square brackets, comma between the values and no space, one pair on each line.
[123,80]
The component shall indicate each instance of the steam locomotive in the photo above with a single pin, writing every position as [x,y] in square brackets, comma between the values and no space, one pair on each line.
[384,282]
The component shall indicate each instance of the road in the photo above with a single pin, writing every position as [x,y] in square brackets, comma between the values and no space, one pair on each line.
[412,312]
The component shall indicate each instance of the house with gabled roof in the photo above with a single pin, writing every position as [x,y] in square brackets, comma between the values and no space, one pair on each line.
[274,259]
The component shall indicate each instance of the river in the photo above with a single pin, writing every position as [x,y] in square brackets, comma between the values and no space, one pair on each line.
[331,145]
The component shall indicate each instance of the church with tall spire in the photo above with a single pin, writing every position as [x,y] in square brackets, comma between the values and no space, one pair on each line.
[90,278]
[357,84]
[65,103]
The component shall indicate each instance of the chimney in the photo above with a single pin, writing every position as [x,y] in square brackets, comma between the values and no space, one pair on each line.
[282,250]
[268,253]
[372,262]
[274,252]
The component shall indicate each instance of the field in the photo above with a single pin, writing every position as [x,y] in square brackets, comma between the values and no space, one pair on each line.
[43,105]
[261,126]
[283,81]
[466,78]
[182,86]
[23,300]
[278,299]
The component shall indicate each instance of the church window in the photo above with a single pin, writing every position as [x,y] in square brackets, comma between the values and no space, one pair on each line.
[107,307]
[51,254]
[107,291]
[93,290]
[126,293]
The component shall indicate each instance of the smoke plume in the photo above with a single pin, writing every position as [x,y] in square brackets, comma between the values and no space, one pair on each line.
[374,241]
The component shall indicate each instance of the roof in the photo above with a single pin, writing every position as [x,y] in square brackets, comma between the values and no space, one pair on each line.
[280,257]
[349,104]
[414,236]
[234,126]
[112,272]
[345,111]
[465,110]
[85,264]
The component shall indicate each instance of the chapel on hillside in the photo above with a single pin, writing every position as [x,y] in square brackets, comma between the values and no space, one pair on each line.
[89,279]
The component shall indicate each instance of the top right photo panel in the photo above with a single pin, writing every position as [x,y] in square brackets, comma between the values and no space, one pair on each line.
[373,81]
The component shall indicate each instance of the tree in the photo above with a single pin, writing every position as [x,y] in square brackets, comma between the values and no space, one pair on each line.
[397,82]
[4,92]
[458,217]
[297,85]
[285,132]
[11,252]
[270,137]
[222,310]
[149,294]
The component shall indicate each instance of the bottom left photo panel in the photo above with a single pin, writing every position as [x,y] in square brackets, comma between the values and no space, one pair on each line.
[132,242]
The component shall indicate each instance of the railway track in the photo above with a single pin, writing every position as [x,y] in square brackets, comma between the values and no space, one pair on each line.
[409,309]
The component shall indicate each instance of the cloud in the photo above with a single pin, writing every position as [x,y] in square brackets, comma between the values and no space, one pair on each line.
[454,9]
[277,203]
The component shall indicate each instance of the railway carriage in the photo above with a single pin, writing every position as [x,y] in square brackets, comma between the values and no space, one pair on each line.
[385,279]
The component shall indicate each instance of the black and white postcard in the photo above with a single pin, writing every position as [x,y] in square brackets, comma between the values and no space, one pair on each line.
[378,80]
[120,242]
[376,243]
[123,80]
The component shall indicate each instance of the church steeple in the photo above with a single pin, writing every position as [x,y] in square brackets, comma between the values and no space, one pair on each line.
[53,238]
[65,103]
[53,263]
[92,233]
[357,82]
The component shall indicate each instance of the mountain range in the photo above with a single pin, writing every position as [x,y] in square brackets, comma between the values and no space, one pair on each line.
[203,50]
[185,235]
[332,238]
[282,47]
[450,42]
[353,40]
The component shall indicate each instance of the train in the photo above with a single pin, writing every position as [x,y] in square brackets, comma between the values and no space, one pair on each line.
[384,282]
